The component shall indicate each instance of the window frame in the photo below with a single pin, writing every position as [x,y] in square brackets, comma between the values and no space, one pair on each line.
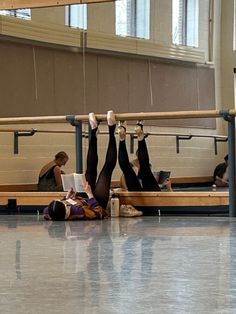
[68,15]
[132,20]
[185,28]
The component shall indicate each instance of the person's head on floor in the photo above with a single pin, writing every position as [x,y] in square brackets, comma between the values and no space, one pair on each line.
[59,210]
[61,158]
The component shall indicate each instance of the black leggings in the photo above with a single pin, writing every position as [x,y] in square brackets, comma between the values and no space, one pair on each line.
[101,187]
[149,182]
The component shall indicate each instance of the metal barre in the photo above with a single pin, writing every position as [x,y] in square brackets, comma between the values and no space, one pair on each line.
[122,116]
[179,136]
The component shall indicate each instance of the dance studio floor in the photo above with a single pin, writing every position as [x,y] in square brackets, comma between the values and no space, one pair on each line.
[123,265]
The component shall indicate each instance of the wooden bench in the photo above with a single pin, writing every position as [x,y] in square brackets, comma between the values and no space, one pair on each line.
[32,187]
[187,181]
[30,198]
[192,180]
[174,198]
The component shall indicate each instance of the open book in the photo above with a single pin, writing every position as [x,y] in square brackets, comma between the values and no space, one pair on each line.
[75,181]
[161,176]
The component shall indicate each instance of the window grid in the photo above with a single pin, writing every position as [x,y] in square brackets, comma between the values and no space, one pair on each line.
[133,18]
[76,15]
[185,17]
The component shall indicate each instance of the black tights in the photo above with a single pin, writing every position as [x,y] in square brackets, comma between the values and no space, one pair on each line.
[101,188]
[149,182]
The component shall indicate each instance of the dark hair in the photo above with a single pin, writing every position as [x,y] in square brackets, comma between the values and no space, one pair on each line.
[226,157]
[61,155]
[56,210]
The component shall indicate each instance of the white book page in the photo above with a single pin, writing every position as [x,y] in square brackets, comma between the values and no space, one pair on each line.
[79,182]
[68,182]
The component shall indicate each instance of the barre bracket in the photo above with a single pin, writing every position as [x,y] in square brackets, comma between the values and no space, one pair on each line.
[17,134]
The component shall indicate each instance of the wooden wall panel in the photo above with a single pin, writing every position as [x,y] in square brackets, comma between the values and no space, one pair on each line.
[113,84]
[42,81]
[44,76]
[91,88]
[17,86]
[139,96]
[69,83]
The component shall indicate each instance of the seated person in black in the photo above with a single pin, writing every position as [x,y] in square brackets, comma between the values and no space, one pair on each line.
[139,176]
[50,174]
[221,176]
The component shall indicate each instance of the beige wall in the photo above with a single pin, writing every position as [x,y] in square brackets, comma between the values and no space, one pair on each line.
[54,15]
[196,156]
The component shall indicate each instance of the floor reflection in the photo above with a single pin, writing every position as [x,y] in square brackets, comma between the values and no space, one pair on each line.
[122,265]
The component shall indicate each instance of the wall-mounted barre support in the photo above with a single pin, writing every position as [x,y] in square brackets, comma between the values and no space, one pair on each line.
[179,137]
[131,143]
[17,134]
[183,138]
[78,142]
[218,140]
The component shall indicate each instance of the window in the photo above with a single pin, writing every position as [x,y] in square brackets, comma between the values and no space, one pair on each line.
[76,15]
[133,18]
[185,15]
[21,13]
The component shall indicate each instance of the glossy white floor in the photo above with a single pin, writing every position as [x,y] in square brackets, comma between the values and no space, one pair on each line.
[124,265]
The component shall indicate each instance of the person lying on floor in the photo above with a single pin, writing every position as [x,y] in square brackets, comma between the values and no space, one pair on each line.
[137,176]
[97,191]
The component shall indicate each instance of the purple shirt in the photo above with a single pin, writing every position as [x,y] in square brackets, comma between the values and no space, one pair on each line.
[79,209]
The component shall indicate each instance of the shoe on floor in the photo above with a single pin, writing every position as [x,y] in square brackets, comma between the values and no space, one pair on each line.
[129,211]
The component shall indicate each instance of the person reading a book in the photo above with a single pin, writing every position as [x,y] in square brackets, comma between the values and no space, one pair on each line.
[97,190]
[50,175]
[137,176]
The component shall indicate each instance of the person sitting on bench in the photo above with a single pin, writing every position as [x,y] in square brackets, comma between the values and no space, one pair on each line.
[50,175]
[221,175]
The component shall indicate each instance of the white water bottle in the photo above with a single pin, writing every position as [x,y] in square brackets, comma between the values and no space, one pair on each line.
[115,206]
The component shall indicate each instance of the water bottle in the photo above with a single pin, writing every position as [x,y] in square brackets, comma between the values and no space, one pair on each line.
[115,206]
